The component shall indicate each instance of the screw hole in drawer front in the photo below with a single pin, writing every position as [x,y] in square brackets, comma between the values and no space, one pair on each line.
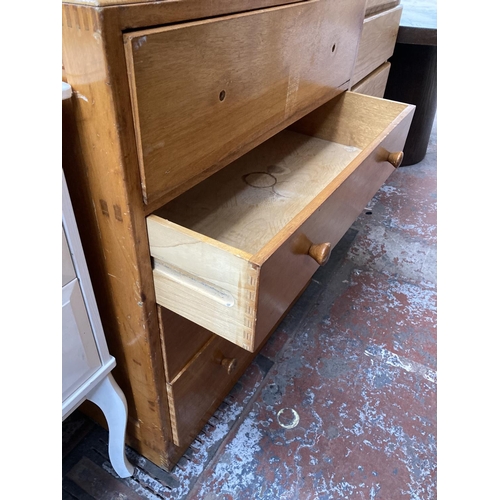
[334,46]
[222,95]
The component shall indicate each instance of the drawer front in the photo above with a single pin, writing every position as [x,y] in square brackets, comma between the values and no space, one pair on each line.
[204,93]
[80,358]
[181,341]
[200,388]
[374,84]
[378,39]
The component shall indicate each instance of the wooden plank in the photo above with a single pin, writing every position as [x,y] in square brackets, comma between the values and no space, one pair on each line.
[238,79]
[377,42]
[100,163]
[163,12]
[72,491]
[98,483]
[374,84]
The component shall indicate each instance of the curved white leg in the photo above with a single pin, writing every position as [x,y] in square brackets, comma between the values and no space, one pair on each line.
[111,400]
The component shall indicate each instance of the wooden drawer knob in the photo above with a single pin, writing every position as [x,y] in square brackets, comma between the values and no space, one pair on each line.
[395,159]
[320,253]
[229,364]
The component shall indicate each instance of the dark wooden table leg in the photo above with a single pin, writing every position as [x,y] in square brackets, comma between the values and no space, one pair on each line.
[413,79]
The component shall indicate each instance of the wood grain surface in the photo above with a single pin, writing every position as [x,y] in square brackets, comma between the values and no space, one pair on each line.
[198,390]
[204,280]
[187,5]
[247,204]
[377,42]
[181,340]
[201,271]
[238,79]
[374,84]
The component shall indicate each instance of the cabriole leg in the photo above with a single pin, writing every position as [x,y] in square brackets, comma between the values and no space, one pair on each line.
[110,399]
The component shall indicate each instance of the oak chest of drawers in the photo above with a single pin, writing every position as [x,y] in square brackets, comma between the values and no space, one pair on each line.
[216,158]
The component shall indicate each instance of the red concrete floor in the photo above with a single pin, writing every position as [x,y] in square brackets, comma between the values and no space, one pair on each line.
[341,402]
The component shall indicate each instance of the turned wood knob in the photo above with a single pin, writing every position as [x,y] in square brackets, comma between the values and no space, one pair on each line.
[395,159]
[320,253]
[229,364]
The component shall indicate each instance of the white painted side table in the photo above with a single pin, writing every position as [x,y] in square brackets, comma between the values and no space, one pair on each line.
[86,362]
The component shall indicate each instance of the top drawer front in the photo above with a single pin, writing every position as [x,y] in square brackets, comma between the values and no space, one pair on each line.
[206,92]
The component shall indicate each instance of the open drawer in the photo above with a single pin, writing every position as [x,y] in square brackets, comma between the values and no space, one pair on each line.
[234,252]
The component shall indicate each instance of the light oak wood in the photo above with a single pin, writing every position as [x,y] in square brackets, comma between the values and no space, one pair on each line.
[374,84]
[238,79]
[320,253]
[247,204]
[377,42]
[181,340]
[353,119]
[202,385]
[210,245]
[336,208]
[99,161]
[186,5]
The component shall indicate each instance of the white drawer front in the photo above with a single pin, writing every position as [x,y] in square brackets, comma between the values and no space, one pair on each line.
[80,358]
[68,270]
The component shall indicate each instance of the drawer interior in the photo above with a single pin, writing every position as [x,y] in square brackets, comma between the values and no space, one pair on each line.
[257,196]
